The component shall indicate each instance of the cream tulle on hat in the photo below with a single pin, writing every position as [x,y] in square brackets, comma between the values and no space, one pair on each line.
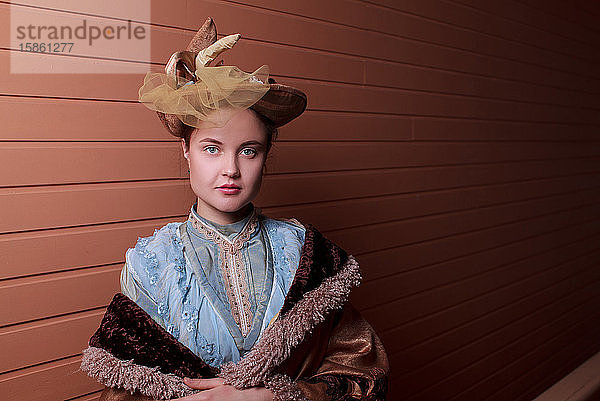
[226,89]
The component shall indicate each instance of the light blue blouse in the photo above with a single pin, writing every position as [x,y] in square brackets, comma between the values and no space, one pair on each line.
[214,294]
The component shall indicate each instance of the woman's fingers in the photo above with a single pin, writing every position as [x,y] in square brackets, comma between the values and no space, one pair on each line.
[203,384]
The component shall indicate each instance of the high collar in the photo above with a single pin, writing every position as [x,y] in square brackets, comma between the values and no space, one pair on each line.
[206,228]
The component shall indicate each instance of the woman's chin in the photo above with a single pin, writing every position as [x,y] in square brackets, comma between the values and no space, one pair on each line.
[229,205]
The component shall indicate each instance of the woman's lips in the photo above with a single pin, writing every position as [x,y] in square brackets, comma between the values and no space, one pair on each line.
[229,190]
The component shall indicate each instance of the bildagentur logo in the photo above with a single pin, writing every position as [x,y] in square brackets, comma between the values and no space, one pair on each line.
[85,30]
[111,36]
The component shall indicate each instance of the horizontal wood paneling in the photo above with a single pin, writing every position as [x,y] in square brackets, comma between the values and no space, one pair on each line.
[433,21]
[325,96]
[318,35]
[51,250]
[532,350]
[431,80]
[554,335]
[499,327]
[451,146]
[509,21]
[127,11]
[43,340]
[64,292]
[481,324]
[563,287]
[438,129]
[553,19]
[118,122]
[411,308]
[444,275]
[57,380]
[28,118]
[33,163]
[566,357]
[437,277]
[73,204]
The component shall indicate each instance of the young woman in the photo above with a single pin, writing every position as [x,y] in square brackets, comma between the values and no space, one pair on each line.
[232,304]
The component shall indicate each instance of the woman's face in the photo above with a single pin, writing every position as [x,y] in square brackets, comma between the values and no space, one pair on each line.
[231,155]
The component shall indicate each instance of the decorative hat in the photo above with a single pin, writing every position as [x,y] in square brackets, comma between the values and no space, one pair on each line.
[191,92]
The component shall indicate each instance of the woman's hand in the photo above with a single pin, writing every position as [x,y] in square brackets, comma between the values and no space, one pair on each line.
[214,389]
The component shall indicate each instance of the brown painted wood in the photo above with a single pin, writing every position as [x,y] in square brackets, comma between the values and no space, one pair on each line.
[29,344]
[52,381]
[66,292]
[452,147]
[118,122]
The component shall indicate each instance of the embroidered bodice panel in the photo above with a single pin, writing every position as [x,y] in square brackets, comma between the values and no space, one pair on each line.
[179,276]
[232,257]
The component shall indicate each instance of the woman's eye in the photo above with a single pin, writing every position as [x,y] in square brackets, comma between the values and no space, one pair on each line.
[248,152]
[210,149]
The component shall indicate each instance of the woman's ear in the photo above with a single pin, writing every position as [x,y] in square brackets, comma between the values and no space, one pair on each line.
[184,148]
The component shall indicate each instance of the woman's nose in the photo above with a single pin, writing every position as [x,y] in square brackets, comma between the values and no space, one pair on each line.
[231,168]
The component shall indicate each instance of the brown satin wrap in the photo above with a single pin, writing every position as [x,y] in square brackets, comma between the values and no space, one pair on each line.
[352,364]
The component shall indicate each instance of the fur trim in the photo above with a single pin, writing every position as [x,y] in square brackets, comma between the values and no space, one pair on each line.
[278,340]
[284,389]
[113,372]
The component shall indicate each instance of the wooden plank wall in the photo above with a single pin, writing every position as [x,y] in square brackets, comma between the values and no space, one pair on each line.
[451,146]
